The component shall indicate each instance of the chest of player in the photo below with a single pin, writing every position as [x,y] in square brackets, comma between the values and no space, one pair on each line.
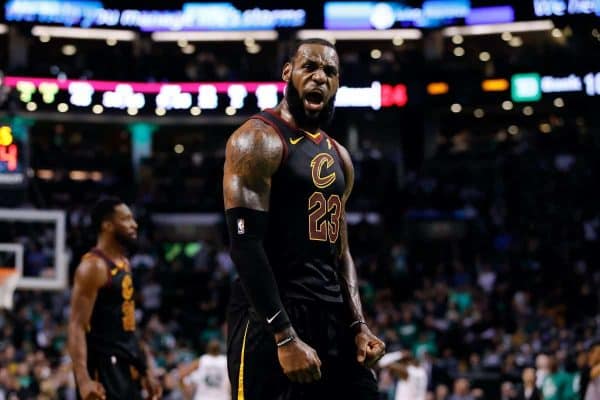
[118,288]
[310,167]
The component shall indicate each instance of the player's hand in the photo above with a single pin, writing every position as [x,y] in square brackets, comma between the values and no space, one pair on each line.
[369,348]
[92,390]
[152,386]
[299,361]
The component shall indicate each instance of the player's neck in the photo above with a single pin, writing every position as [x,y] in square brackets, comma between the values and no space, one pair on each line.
[284,112]
[110,247]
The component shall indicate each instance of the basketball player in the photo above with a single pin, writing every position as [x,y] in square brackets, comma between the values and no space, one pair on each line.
[208,374]
[108,360]
[296,325]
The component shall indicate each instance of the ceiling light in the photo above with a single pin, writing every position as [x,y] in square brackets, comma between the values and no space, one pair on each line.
[83,33]
[491,29]
[69,49]
[507,105]
[456,108]
[375,54]
[457,39]
[528,110]
[213,36]
[506,36]
[188,49]
[513,129]
[484,56]
[388,34]
[459,51]
[559,102]
[478,113]
[254,49]
[516,41]
[397,41]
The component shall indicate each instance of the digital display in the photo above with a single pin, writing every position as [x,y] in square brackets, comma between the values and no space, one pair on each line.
[559,8]
[12,165]
[188,95]
[431,14]
[193,16]
[530,87]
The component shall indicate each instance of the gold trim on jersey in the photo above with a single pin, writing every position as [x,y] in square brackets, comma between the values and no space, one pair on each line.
[240,395]
[312,135]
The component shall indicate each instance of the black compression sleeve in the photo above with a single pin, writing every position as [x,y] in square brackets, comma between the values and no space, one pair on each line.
[247,229]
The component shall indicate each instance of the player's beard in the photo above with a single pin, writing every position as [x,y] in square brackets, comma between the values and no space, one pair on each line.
[302,118]
[129,244]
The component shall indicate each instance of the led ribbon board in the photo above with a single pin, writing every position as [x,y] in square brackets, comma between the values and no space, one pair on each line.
[183,96]
[559,8]
[530,87]
[192,16]
[432,13]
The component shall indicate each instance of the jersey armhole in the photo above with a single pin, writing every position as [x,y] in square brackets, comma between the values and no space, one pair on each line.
[284,155]
[337,150]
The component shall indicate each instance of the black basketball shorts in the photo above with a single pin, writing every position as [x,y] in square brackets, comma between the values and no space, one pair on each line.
[120,379]
[254,369]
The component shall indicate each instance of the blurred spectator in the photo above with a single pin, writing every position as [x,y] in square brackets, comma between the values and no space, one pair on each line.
[528,391]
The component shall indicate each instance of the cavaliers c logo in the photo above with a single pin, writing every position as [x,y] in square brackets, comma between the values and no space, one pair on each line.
[317,163]
[127,288]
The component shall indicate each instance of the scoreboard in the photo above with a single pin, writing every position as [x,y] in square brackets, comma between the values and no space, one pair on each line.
[13,167]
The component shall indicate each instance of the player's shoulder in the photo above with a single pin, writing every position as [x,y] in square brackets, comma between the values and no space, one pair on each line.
[254,132]
[255,144]
[91,270]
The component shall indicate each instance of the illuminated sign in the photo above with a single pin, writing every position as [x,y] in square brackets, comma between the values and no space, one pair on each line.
[571,83]
[494,85]
[559,8]
[433,13]
[11,170]
[592,84]
[529,87]
[184,96]
[526,87]
[193,16]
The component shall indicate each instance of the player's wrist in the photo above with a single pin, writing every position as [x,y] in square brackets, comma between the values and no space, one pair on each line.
[284,333]
[358,325]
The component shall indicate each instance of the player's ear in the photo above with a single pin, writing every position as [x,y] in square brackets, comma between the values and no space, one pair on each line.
[287,72]
[107,226]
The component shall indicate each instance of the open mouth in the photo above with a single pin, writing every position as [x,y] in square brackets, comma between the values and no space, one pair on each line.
[314,101]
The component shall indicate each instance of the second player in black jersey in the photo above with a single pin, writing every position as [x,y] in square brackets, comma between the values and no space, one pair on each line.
[295,321]
[108,359]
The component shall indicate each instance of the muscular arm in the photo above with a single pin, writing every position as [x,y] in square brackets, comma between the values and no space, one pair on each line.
[348,277]
[369,347]
[252,156]
[90,276]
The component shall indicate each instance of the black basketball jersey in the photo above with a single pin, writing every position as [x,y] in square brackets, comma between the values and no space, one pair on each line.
[303,239]
[112,324]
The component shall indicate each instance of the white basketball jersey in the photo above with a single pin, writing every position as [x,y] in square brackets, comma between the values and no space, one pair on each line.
[211,380]
[414,387]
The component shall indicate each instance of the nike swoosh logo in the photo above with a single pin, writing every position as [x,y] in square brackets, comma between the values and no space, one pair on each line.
[269,320]
[295,141]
